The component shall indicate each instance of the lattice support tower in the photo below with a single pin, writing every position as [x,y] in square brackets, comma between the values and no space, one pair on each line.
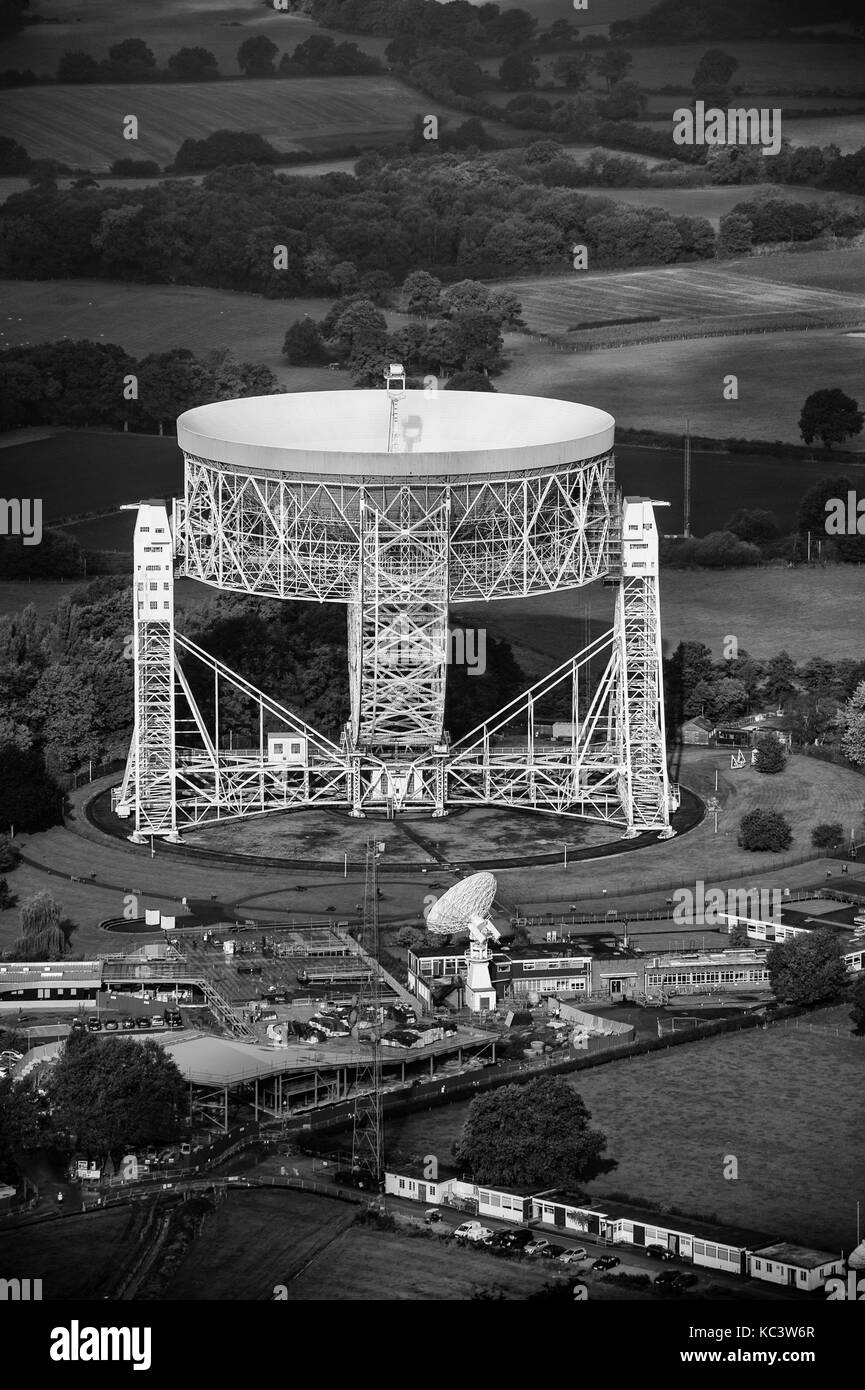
[367,1145]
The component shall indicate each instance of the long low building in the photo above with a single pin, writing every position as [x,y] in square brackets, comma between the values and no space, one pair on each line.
[43,984]
[704,1244]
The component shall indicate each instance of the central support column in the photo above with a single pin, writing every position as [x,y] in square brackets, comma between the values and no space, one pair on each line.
[397,624]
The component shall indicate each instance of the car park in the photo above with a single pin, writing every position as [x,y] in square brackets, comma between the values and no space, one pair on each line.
[658,1252]
[570,1257]
[608,1262]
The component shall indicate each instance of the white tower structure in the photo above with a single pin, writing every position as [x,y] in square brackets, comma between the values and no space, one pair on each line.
[401,505]
[465,908]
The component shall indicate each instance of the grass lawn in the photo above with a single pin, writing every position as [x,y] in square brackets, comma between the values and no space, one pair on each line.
[671,1117]
[75,1256]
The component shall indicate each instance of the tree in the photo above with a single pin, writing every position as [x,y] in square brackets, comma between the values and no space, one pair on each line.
[469,381]
[42,936]
[116,1099]
[29,798]
[739,936]
[421,293]
[764,830]
[572,69]
[78,67]
[626,102]
[753,525]
[827,834]
[779,680]
[533,1134]
[736,234]
[14,159]
[830,415]
[517,70]
[712,76]
[8,854]
[6,898]
[302,346]
[256,56]
[851,720]
[857,999]
[612,65]
[808,969]
[131,61]
[770,755]
[193,65]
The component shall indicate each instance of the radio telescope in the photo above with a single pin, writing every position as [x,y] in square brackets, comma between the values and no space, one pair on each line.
[465,907]
[399,505]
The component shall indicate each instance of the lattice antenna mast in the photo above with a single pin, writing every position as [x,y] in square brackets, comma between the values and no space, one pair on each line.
[367,1146]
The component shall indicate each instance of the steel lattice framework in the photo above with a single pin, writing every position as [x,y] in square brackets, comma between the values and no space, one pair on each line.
[400,509]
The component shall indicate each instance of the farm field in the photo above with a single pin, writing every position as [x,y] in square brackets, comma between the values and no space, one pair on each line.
[715,203]
[764,68]
[657,385]
[845,131]
[804,611]
[76,1257]
[165,25]
[556,303]
[83,125]
[151,318]
[671,1117]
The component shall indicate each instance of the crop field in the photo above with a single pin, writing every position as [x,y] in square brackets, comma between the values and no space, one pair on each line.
[847,132]
[166,25]
[671,1117]
[83,125]
[805,611]
[312,170]
[714,203]
[656,385]
[557,303]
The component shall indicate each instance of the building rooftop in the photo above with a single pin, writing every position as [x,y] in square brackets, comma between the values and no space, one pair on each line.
[419,1170]
[802,1256]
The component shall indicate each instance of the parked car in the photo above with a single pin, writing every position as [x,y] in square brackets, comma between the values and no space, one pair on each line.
[687,1281]
[551,1251]
[78,1025]
[185,1148]
[128,1024]
[658,1252]
[571,1257]
[143,1022]
[157,1021]
[111,1025]
[432,1217]
[473,1231]
[517,1240]
[668,1279]
[608,1262]
[535,1246]
[94,1025]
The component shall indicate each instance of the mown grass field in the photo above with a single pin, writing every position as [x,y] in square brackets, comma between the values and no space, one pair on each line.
[671,1117]
[556,303]
[83,125]
[658,385]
